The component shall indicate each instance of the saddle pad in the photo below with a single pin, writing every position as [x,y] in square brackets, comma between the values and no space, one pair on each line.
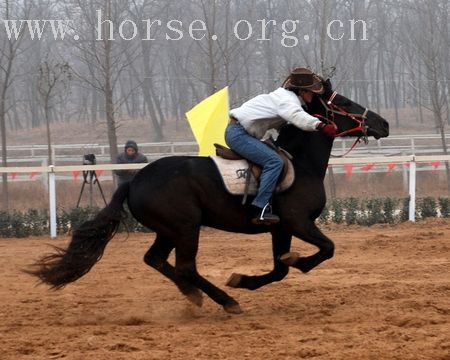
[234,175]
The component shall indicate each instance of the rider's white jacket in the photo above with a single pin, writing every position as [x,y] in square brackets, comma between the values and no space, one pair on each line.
[270,111]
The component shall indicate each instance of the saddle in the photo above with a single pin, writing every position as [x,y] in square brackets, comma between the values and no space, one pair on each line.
[241,177]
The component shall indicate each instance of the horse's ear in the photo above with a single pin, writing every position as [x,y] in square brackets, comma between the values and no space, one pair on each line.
[326,83]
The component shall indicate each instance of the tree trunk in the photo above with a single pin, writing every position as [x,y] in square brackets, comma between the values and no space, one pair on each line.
[324,36]
[5,85]
[49,138]
[5,197]
[158,134]
[146,89]
[157,105]
[110,120]
[94,107]
[109,92]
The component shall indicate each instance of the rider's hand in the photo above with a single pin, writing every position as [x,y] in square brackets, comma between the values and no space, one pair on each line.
[328,129]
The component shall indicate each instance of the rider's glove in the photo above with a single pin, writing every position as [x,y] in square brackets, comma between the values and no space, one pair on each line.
[328,129]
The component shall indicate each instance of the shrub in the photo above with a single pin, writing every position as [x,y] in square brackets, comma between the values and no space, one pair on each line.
[374,213]
[5,224]
[36,222]
[404,211]
[351,212]
[17,224]
[389,209]
[427,207]
[337,215]
[324,215]
[77,216]
[63,222]
[444,206]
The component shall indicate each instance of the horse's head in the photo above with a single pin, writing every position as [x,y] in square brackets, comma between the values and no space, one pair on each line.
[351,118]
[313,148]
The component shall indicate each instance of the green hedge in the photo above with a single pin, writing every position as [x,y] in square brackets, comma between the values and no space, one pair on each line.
[36,222]
[341,211]
[22,224]
[382,211]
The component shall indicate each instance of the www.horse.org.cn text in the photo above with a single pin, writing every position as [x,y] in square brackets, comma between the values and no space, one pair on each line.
[289,33]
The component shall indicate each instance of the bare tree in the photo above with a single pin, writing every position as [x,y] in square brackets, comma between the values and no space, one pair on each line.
[54,79]
[104,56]
[432,49]
[9,52]
[148,63]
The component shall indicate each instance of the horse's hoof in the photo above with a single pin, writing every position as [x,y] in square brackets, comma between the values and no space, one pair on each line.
[290,258]
[196,298]
[234,280]
[233,309]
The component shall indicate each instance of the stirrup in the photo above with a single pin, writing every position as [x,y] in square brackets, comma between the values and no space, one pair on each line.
[266,217]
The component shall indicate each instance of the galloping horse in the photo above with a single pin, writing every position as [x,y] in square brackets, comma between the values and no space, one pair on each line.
[175,196]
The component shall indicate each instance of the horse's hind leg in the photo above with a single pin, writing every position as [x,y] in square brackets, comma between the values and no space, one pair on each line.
[156,257]
[186,252]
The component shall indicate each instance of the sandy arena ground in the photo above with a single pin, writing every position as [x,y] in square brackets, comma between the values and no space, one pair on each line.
[385,295]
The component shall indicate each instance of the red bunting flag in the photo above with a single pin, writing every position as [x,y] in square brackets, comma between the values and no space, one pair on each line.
[33,174]
[13,175]
[349,170]
[368,167]
[407,165]
[436,164]
[75,174]
[391,168]
[99,173]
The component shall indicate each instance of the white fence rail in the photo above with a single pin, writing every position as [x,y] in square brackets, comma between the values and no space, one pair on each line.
[71,154]
[53,170]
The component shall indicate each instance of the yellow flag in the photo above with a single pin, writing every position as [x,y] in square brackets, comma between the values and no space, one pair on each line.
[208,121]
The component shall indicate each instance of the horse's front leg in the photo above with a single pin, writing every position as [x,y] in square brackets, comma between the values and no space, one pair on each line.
[311,234]
[281,244]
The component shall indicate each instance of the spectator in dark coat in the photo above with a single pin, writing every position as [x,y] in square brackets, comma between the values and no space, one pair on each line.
[131,155]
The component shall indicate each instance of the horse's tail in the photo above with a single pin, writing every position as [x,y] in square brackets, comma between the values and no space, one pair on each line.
[86,247]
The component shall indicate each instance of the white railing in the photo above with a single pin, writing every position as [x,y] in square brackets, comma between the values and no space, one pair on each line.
[419,144]
[53,170]
[73,153]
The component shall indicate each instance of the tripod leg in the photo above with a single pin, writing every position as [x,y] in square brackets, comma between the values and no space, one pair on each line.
[90,194]
[99,187]
[81,193]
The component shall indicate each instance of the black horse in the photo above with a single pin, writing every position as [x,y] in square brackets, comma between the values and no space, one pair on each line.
[175,196]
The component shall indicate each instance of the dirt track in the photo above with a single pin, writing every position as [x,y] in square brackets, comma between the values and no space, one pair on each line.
[385,295]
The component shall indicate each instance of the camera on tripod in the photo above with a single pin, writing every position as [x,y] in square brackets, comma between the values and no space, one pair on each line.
[89,159]
[90,178]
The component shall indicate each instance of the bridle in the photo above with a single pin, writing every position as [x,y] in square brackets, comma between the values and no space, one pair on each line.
[360,120]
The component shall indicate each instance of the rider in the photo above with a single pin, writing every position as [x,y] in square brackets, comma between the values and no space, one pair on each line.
[249,123]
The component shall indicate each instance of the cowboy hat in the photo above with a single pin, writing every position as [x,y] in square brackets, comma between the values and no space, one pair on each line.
[304,79]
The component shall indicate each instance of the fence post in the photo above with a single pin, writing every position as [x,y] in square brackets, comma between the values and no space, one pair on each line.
[52,200]
[405,177]
[412,190]
[45,179]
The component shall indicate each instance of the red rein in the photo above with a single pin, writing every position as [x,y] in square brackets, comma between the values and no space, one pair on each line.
[334,109]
